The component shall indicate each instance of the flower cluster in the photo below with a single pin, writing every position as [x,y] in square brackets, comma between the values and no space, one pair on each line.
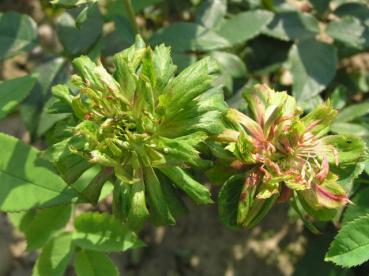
[142,126]
[277,154]
[144,123]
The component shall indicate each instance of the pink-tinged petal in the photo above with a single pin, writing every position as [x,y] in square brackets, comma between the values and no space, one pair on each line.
[312,125]
[274,166]
[250,125]
[330,199]
[324,170]
[228,135]
[257,100]
[252,179]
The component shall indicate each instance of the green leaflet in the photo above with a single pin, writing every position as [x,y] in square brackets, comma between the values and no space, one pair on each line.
[103,232]
[228,200]
[350,148]
[13,91]
[39,225]
[199,193]
[55,256]
[70,165]
[27,181]
[91,263]
[18,34]
[92,192]
[255,20]
[351,245]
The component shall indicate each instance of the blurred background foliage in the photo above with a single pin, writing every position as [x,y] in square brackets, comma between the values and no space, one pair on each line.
[316,50]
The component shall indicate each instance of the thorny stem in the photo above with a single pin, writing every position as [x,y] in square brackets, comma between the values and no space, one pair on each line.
[131,15]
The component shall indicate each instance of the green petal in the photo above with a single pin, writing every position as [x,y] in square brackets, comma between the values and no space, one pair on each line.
[159,209]
[197,192]
[138,212]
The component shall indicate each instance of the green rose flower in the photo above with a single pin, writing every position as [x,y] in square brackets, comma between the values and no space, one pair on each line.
[142,124]
[274,154]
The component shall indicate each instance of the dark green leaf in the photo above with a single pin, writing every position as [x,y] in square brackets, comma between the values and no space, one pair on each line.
[18,34]
[90,263]
[358,10]
[26,181]
[46,73]
[86,13]
[360,206]
[47,120]
[260,61]
[347,30]
[103,232]
[183,60]
[13,91]
[122,37]
[211,12]
[228,200]
[321,6]
[55,257]
[244,26]
[189,37]
[71,3]
[313,65]
[311,262]
[230,64]
[293,26]
[79,41]
[117,8]
[176,205]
